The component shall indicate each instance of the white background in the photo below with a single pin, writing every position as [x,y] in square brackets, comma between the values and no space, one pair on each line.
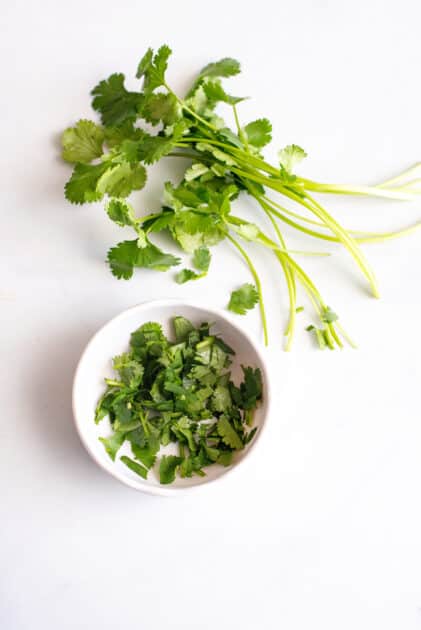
[323,530]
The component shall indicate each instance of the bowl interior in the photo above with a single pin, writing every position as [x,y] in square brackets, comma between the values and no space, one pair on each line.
[95,365]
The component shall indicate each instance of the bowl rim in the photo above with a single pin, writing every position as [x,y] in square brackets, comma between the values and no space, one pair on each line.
[170,490]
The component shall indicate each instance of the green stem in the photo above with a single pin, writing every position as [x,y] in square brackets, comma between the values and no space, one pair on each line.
[370,191]
[309,203]
[258,285]
[290,281]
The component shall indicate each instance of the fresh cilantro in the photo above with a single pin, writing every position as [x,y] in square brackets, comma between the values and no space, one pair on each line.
[243,299]
[259,132]
[167,468]
[228,434]
[83,142]
[177,392]
[115,104]
[202,258]
[142,126]
[290,156]
[113,443]
[127,255]
[134,466]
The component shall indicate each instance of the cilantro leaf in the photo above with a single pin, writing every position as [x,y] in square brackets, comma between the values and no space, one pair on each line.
[116,104]
[258,132]
[146,454]
[290,156]
[202,258]
[134,466]
[195,171]
[243,299]
[167,468]
[251,387]
[228,434]
[221,399]
[120,180]
[225,458]
[131,372]
[161,108]
[226,67]
[115,135]
[247,231]
[113,443]
[144,63]
[82,185]
[120,212]
[185,275]
[153,68]
[182,328]
[126,255]
[83,142]
[215,93]
[328,316]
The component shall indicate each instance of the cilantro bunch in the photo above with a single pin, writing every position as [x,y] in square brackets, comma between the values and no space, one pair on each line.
[111,159]
[180,393]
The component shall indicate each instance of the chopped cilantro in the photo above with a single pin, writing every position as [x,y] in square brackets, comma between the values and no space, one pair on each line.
[177,392]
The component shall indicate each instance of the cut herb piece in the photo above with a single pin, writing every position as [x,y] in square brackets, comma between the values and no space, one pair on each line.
[134,466]
[243,299]
[168,467]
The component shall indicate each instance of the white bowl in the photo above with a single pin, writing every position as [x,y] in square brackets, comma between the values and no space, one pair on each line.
[113,339]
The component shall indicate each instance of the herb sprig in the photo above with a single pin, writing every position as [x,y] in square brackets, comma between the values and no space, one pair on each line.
[178,392]
[111,159]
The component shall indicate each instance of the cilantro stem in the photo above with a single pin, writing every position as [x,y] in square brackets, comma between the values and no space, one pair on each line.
[370,191]
[290,280]
[240,133]
[258,285]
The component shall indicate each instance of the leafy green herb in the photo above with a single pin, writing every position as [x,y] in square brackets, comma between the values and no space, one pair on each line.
[243,299]
[134,466]
[110,160]
[177,392]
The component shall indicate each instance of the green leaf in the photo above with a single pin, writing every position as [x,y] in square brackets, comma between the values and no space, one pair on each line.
[126,255]
[243,299]
[147,454]
[221,399]
[202,258]
[82,186]
[120,180]
[153,69]
[290,156]
[168,467]
[258,132]
[113,443]
[228,434]
[115,135]
[161,108]
[83,142]
[115,104]
[134,466]
[225,458]
[226,67]
[131,371]
[251,387]
[182,328]
[328,316]
[144,63]
[247,231]
[104,406]
[195,171]
[215,93]
[120,212]
[185,275]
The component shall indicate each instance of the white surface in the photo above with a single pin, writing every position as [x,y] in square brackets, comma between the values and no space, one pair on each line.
[324,531]
[113,339]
